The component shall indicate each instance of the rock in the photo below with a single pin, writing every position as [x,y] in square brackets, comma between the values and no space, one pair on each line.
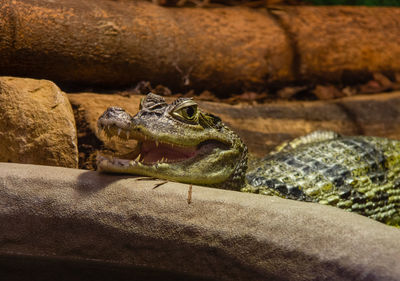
[107,225]
[264,126]
[380,83]
[289,92]
[327,92]
[37,123]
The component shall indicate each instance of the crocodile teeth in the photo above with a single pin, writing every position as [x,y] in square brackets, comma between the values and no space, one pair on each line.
[157,143]
[119,131]
[138,158]
[127,134]
[131,162]
[162,159]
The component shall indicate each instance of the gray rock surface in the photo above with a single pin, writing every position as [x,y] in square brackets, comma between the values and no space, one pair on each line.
[93,220]
[37,125]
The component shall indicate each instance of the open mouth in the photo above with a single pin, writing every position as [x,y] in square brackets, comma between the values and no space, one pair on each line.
[153,152]
[150,152]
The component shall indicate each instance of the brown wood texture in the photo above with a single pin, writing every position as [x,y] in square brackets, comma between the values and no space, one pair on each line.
[112,43]
[342,44]
[118,43]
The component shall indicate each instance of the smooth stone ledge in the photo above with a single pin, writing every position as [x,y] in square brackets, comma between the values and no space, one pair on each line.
[84,217]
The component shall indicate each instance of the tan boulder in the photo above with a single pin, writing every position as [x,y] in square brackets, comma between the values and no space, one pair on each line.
[37,124]
[83,225]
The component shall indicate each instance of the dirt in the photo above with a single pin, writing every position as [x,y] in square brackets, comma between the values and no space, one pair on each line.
[88,143]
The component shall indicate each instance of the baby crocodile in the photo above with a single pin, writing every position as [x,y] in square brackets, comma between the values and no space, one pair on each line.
[179,142]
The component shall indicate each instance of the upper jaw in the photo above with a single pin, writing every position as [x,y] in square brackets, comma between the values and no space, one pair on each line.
[126,128]
[151,148]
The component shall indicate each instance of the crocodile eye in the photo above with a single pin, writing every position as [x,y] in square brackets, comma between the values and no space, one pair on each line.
[189,112]
[186,111]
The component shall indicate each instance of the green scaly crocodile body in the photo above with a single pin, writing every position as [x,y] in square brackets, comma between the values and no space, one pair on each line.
[179,142]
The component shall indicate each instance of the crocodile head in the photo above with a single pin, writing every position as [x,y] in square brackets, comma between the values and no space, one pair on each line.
[177,142]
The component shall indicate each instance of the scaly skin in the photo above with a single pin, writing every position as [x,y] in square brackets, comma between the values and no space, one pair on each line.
[217,155]
[359,174]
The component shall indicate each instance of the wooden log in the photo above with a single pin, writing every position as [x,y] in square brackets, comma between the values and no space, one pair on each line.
[341,44]
[114,43]
[225,50]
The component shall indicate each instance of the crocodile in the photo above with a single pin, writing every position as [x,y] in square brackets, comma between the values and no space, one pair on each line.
[180,142]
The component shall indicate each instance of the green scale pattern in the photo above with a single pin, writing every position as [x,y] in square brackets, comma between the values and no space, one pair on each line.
[358,174]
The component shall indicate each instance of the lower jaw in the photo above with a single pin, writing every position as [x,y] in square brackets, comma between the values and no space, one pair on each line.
[136,161]
[121,165]
[158,170]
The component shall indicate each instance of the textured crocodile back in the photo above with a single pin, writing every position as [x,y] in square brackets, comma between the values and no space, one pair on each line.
[361,174]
